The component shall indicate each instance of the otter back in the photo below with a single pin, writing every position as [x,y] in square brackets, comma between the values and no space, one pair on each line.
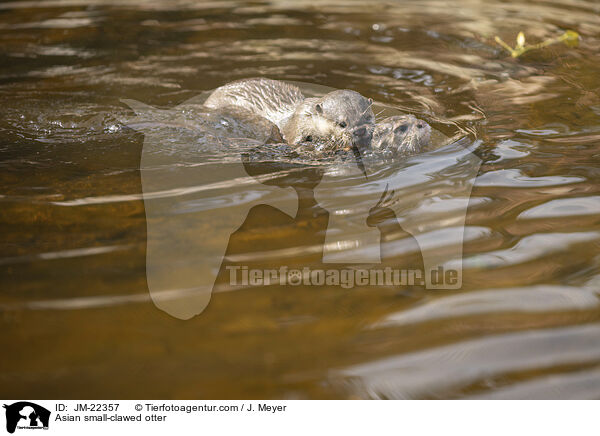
[271,99]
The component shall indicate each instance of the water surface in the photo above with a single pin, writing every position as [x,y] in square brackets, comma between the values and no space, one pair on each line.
[77,318]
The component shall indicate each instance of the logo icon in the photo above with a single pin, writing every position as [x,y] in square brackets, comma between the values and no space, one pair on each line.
[26,415]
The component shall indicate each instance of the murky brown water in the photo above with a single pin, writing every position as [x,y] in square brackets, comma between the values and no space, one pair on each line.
[77,319]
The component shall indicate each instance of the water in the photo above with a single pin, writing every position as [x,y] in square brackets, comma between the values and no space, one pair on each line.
[77,317]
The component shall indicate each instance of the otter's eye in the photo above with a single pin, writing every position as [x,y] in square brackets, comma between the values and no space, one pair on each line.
[342,124]
[420,126]
[308,139]
[403,128]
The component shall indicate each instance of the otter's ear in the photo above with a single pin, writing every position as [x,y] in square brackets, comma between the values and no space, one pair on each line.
[370,101]
[319,108]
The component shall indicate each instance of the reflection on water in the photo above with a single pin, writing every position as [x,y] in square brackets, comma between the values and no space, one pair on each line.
[431,372]
[77,318]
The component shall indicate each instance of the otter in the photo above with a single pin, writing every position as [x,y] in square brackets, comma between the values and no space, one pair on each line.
[232,123]
[401,135]
[340,120]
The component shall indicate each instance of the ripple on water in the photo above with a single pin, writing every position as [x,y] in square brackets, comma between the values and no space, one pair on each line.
[543,298]
[514,178]
[443,369]
[563,207]
[529,248]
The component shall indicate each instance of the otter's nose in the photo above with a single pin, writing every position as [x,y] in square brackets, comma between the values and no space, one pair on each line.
[361,131]
[361,136]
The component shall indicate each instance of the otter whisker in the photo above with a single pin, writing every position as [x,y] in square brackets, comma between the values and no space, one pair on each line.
[379,113]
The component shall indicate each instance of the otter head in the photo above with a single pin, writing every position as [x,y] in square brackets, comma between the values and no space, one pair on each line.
[402,135]
[340,120]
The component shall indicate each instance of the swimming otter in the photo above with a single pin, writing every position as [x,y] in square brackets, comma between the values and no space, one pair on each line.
[340,120]
[232,123]
[401,135]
